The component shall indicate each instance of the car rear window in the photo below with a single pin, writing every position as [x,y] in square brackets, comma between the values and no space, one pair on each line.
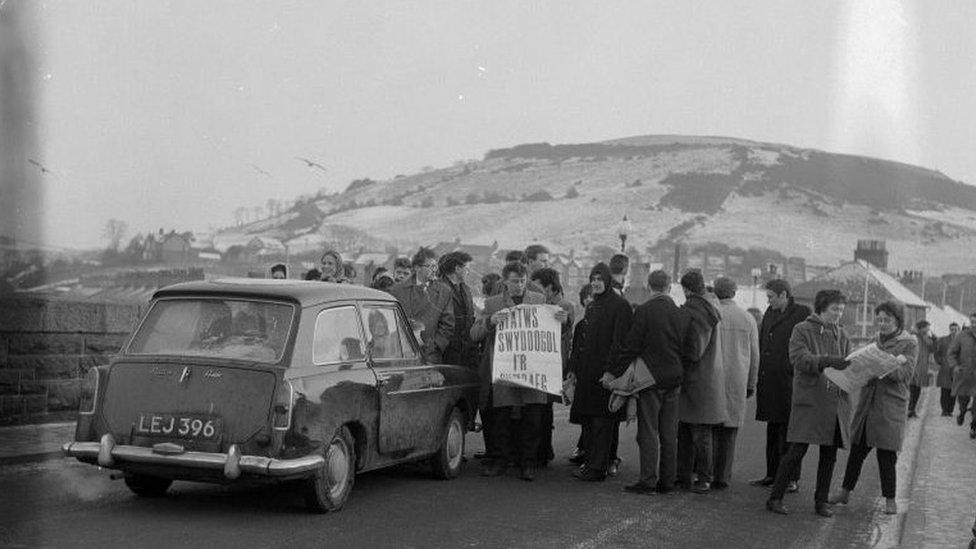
[212,327]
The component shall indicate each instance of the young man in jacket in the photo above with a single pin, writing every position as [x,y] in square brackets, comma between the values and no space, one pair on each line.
[774,386]
[428,302]
[962,359]
[658,335]
[944,378]
[452,268]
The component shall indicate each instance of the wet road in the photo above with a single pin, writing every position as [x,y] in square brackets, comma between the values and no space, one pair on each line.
[62,502]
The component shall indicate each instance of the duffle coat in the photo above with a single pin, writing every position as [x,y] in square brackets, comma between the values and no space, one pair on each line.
[882,406]
[962,359]
[818,409]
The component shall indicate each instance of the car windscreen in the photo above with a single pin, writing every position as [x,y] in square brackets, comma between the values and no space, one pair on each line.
[212,327]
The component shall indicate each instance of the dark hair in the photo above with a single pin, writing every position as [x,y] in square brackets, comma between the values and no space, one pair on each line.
[922,324]
[313,274]
[335,255]
[379,271]
[693,281]
[619,264]
[659,281]
[488,283]
[548,277]
[826,298]
[602,271]
[585,291]
[450,262]
[725,288]
[532,252]
[383,282]
[422,255]
[778,286]
[349,271]
[280,267]
[956,324]
[893,309]
[514,267]
[401,263]
[515,255]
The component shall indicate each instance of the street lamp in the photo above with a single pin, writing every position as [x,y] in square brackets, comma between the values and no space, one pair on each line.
[756,273]
[623,229]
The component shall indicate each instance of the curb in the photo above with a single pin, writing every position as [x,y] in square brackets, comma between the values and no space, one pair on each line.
[31,458]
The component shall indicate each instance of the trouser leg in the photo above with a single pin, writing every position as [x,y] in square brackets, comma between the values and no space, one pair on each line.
[531,433]
[615,440]
[702,440]
[887,461]
[584,437]
[501,434]
[855,461]
[786,466]
[723,440]
[601,436]
[774,450]
[685,453]
[545,452]
[963,404]
[486,430]
[668,428]
[947,401]
[825,472]
[914,391]
[649,435]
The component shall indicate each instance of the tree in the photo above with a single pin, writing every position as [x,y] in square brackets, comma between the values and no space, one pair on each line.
[133,252]
[115,230]
[572,192]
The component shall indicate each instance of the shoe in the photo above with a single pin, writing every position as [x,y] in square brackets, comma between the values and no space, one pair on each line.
[481,455]
[972,433]
[662,489]
[776,506]
[911,414]
[823,510]
[493,470]
[840,495]
[891,507]
[682,484]
[701,487]
[946,414]
[527,473]
[764,482]
[640,488]
[792,487]
[719,485]
[586,474]
[577,457]
[614,467]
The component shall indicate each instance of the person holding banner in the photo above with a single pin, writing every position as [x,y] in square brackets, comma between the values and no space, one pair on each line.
[608,320]
[879,419]
[509,402]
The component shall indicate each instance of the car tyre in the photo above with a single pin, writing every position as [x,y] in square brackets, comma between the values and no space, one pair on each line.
[147,486]
[446,463]
[332,484]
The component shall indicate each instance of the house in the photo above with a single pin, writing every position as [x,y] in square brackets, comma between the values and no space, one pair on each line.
[857,279]
[177,248]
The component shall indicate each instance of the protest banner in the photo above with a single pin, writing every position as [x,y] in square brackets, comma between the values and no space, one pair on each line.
[527,351]
[867,363]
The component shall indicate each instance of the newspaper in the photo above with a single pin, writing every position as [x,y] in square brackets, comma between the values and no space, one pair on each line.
[867,363]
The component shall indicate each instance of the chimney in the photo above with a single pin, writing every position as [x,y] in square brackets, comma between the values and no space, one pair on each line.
[873,252]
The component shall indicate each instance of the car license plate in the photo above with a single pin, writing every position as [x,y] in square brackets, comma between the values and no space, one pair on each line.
[179,426]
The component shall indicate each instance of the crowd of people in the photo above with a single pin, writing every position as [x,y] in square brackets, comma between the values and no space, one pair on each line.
[685,373]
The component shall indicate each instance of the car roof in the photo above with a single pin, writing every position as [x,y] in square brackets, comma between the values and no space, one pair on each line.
[302,292]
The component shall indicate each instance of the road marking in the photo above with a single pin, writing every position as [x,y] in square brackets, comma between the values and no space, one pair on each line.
[601,537]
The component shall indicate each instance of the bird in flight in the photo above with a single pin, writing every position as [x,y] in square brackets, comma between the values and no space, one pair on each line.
[40,166]
[311,164]
[259,170]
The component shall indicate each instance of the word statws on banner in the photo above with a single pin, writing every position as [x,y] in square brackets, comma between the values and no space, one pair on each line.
[527,349]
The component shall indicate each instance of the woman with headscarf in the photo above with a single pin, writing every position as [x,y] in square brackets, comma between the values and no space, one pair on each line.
[333,269]
[820,412]
[607,323]
[880,416]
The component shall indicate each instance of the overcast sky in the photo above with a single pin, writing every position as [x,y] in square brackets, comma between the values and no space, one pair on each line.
[152,112]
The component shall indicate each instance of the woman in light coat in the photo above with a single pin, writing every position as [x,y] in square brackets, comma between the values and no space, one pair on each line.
[880,416]
[821,412]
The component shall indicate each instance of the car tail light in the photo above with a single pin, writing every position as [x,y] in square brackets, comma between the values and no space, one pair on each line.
[89,391]
[283,404]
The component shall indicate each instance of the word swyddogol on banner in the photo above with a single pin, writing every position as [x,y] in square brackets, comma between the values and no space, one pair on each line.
[527,351]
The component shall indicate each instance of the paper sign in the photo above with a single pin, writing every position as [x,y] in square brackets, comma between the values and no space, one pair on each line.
[528,352]
[867,363]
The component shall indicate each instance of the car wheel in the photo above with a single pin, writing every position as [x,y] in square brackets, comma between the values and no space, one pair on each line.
[147,486]
[332,484]
[446,463]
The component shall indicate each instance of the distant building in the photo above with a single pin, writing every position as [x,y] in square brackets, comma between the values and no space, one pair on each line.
[177,248]
[872,251]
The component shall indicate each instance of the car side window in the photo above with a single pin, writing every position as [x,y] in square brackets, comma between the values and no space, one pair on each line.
[338,337]
[383,331]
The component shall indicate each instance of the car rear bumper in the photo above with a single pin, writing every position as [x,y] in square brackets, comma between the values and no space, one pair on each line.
[108,454]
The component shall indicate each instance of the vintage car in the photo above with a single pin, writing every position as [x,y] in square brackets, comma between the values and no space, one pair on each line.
[305,382]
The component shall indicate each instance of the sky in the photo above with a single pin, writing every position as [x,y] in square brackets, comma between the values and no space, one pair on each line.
[171,114]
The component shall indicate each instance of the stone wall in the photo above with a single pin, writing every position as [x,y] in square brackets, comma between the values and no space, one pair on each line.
[47,346]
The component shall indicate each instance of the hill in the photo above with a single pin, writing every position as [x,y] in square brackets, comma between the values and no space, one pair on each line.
[693,189]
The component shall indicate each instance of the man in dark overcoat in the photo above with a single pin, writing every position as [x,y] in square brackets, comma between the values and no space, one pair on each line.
[774,388]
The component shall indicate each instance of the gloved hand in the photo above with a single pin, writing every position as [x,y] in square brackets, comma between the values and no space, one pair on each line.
[835,362]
